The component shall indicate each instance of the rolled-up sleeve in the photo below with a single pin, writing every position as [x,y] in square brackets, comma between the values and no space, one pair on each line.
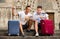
[47,16]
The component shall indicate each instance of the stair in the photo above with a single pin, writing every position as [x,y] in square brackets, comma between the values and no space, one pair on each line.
[57,33]
[29,37]
[3,35]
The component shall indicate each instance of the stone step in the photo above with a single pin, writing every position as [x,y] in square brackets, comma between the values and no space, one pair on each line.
[29,37]
[57,33]
[5,33]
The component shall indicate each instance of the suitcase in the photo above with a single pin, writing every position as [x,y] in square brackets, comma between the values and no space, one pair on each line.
[13,27]
[47,27]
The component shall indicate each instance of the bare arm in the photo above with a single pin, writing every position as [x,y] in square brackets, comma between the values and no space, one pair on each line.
[44,17]
[14,12]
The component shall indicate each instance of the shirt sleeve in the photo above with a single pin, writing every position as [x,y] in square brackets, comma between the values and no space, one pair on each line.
[19,13]
[47,16]
[34,16]
[30,15]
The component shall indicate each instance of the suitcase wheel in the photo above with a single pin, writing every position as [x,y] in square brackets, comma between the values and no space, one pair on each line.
[18,34]
[9,34]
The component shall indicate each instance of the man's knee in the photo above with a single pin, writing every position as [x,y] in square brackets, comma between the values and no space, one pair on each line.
[30,22]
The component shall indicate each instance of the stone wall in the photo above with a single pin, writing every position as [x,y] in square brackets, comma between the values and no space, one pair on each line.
[48,6]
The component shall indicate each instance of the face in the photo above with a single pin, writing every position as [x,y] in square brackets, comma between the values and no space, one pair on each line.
[39,10]
[28,9]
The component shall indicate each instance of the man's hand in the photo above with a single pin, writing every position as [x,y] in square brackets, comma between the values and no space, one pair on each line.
[41,17]
[27,18]
[15,14]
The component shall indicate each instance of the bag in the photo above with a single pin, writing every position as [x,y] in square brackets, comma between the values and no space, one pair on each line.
[47,27]
[13,27]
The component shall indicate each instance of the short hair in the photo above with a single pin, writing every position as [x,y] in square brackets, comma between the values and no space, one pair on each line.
[39,7]
[27,7]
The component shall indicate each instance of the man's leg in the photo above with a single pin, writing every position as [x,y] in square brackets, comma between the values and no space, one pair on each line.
[36,28]
[29,25]
[21,28]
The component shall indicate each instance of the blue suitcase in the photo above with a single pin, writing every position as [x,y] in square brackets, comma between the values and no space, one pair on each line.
[13,27]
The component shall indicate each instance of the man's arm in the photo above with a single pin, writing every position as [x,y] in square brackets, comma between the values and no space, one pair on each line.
[14,13]
[44,17]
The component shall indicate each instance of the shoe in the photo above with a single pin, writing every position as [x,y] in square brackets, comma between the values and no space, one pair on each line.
[36,34]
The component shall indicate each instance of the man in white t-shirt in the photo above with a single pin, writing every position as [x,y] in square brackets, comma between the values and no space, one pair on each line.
[24,18]
[37,16]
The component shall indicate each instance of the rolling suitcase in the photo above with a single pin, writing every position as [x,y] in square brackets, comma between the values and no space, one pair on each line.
[47,27]
[13,27]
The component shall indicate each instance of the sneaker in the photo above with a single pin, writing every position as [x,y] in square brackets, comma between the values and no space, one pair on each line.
[36,34]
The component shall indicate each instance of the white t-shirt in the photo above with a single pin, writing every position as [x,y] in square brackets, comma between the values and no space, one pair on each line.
[37,17]
[22,17]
